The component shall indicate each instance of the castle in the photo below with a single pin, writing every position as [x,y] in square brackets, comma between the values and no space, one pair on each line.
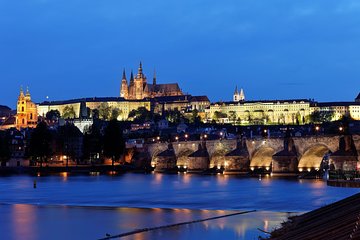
[138,88]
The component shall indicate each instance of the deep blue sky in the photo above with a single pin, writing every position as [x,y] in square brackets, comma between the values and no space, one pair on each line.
[274,49]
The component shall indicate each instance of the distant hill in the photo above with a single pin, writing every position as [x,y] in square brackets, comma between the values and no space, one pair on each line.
[5,111]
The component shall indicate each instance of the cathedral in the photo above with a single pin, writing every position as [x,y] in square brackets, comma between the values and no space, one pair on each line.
[138,88]
[26,114]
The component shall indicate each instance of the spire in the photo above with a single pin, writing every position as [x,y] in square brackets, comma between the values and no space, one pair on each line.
[242,95]
[140,69]
[27,91]
[154,79]
[124,75]
[236,90]
[131,77]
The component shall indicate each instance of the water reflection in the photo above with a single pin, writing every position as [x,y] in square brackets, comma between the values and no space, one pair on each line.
[22,221]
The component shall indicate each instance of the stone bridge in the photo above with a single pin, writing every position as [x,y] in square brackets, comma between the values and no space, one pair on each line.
[308,151]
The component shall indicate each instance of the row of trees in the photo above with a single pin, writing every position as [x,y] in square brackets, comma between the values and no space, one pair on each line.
[110,143]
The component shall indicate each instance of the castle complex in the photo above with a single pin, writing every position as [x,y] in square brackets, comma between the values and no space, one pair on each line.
[137,92]
[138,88]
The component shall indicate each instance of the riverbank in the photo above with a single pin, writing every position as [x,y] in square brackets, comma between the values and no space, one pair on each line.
[339,220]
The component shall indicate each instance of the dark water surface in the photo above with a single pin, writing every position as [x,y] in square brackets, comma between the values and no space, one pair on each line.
[87,207]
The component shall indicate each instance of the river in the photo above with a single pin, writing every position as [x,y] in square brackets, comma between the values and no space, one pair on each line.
[87,207]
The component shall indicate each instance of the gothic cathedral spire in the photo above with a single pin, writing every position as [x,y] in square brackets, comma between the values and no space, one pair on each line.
[124,91]
[154,79]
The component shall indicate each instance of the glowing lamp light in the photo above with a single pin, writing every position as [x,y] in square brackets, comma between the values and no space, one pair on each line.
[176,138]
[185,166]
[309,169]
[252,168]
[341,128]
[221,133]
[300,169]
[267,168]
[317,128]
[205,136]
[218,167]
[317,169]
[186,136]
[158,138]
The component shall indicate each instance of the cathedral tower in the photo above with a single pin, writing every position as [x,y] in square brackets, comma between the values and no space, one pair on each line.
[124,91]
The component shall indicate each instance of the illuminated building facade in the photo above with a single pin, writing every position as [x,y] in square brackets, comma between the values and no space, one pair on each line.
[81,106]
[262,112]
[291,111]
[26,111]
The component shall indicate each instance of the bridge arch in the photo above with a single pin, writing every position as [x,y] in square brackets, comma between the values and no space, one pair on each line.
[182,156]
[262,158]
[312,157]
[217,158]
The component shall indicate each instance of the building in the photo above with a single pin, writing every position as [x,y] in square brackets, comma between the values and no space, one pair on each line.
[357,99]
[26,114]
[82,105]
[290,111]
[138,88]
[182,103]
[339,109]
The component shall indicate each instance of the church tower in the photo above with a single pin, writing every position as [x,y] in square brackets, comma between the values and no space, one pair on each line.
[124,91]
[140,84]
[26,111]
[238,96]
[241,95]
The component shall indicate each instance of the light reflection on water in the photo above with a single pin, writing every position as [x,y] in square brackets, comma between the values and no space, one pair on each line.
[62,222]
[172,191]
[126,202]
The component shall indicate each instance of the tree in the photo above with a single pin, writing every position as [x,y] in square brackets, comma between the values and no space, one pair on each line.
[321,116]
[232,116]
[40,140]
[174,116]
[53,115]
[68,112]
[217,115]
[141,114]
[93,142]
[69,140]
[114,144]
[104,111]
[5,153]
[115,112]
[95,113]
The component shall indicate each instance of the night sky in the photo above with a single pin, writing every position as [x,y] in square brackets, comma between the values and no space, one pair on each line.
[274,49]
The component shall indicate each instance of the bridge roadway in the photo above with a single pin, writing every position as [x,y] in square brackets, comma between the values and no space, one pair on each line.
[258,152]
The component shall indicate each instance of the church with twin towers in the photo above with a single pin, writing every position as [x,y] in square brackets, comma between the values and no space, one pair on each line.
[138,88]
